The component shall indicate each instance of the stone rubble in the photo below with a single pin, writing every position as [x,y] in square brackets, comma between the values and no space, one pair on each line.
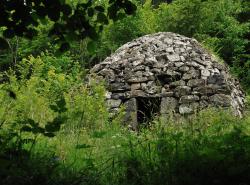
[172,67]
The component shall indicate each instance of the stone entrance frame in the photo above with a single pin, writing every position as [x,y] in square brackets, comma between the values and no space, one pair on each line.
[174,70]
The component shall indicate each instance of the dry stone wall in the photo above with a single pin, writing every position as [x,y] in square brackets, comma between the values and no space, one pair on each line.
[172,67]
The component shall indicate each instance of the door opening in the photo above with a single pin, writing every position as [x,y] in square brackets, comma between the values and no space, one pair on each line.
[147,109]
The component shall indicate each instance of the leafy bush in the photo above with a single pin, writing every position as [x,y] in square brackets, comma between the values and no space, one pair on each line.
[38,98]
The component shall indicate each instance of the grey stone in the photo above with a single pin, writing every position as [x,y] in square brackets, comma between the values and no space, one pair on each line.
[96,68]
[170,49]
[148,74]
[196,82]
[184,68]
[189,99]
[108,95]
[138,93]
[138,74]
[168,104]
[194,64]
[178,83]
[195,106]
[182,58]
[215,71]
[108,73]
[191,74]
[196,93]
[185,109]
[118,87]
[206,90]
[205,73]
[216,79]
[137,62]
[168,94]
[173,73]
[221,100]
[178,64]
[156,70]
[168,41]
[137,79]
[204,98]
[219,66]
[203,104]
[154,90]
[138,68]
[182,90]
[173,58]
[121,96]
[111,103]
[130,117]
[135,86]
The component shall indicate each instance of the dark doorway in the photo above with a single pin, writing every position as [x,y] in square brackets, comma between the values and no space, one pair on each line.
[147,109]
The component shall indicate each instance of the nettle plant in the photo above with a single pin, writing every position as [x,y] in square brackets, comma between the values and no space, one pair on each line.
[37,98]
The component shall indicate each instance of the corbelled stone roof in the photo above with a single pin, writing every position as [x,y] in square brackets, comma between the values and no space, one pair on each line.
[173,67]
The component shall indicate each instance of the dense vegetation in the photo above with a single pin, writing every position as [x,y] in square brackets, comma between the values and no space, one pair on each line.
[55,127]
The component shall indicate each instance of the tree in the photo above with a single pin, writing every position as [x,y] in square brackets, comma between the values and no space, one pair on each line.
[21,17]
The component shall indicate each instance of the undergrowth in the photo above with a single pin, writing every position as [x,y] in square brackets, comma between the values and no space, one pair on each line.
[55,129]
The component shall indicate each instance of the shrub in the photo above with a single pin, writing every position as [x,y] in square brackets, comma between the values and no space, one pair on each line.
[37,100]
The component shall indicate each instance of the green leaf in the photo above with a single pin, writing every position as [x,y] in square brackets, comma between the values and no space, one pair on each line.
[55,125]
[54,108]
[66,9]
[99,8]
[91,33]
[90,12]
[101,17]
[3,44]
[60,106]
[31,122]
[12,94]
[5,163]
[98,134]
[61,103]
[91,46]
[9,33]
[38,130]
[64,47]
[53,14]
[49,134]
[26,129]
[130,8]
[27,141]
[83,146]
[112,11]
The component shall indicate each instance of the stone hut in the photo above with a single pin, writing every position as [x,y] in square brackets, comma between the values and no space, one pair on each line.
[166,73]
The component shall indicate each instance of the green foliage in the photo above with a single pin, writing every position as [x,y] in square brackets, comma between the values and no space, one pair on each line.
[120,32]
[210,148]
[41,96]
[84,20]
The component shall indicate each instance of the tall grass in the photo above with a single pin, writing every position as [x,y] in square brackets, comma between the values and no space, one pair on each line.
[211,147]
